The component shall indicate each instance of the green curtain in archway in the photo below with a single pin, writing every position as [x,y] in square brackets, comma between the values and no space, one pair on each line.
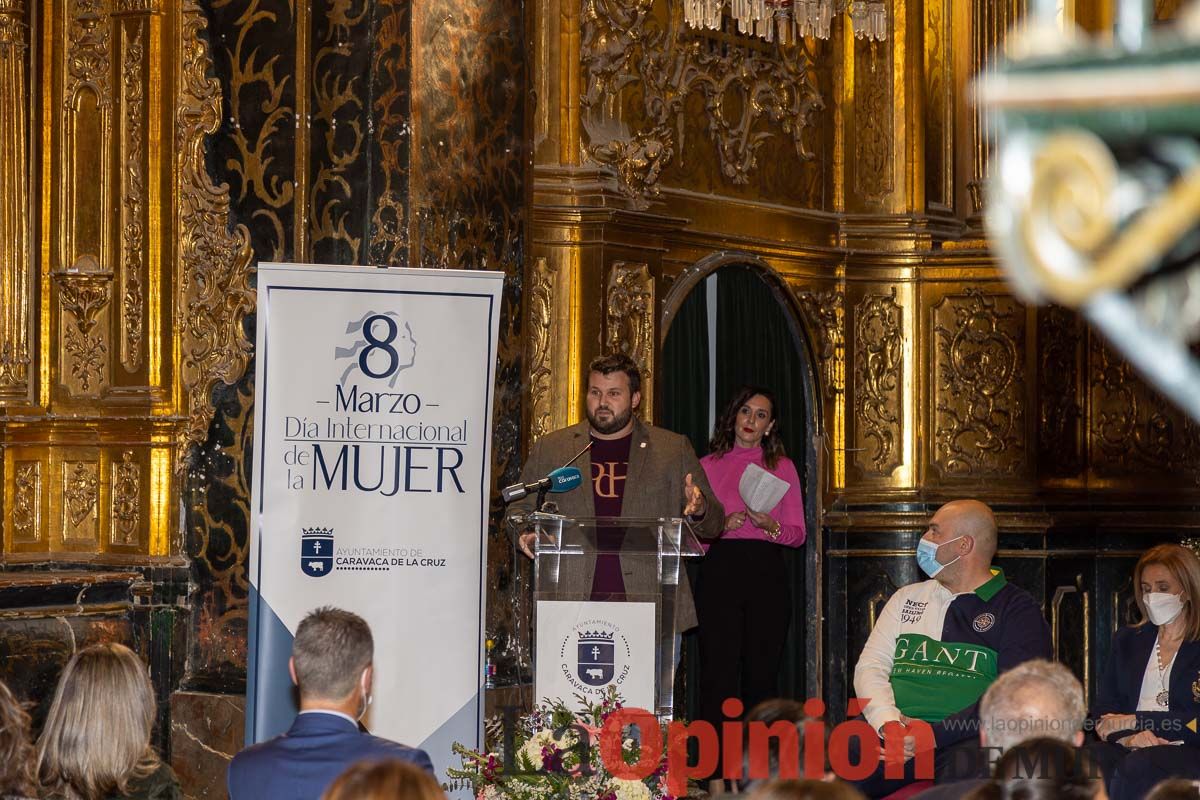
[685,372]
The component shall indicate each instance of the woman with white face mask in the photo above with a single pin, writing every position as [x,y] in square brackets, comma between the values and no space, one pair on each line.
[1148,703]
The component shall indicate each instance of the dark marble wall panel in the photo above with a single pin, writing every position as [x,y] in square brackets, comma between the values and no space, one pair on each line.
[467,182]
[48,615]
[338,188]
[341,130]
[217,500]
[207,730]
[467,194]
[390,118]
[253,47]
[34,647]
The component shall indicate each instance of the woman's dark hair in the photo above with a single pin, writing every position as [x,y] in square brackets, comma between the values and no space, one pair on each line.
[16,748]
[723,435]
[1043,768]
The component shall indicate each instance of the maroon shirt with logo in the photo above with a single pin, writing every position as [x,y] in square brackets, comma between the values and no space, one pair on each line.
[610,464]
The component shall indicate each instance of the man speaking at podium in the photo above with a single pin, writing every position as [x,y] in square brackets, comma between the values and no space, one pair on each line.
[635,470]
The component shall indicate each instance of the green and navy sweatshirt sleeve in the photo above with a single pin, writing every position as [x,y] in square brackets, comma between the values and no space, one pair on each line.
[932,654]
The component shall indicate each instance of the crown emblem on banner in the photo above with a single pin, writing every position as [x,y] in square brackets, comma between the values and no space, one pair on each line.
[595,636]
[317,531]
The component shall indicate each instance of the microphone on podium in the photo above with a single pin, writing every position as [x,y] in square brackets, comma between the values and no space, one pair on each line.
[563,479]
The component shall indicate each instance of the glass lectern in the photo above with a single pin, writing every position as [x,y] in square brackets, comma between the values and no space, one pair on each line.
[608,594]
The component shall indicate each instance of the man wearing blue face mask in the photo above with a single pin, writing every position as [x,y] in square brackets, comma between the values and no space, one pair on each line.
[939,644]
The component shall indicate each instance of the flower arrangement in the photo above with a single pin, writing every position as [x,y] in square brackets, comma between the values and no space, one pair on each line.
[555,752]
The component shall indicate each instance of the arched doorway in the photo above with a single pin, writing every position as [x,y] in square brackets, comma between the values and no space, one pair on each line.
[729,321]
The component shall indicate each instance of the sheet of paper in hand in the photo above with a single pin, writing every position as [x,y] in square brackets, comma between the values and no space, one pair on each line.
[760,490]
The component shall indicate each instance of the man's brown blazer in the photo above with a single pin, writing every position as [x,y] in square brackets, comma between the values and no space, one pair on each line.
[659,461]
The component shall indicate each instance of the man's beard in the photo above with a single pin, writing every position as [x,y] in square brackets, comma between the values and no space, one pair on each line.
[615,423]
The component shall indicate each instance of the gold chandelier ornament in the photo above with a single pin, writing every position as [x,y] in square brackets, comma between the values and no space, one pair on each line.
[788,20]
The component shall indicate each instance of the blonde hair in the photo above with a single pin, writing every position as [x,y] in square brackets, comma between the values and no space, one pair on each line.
[390,779]
[97,733]
[1184,567]
[16,750]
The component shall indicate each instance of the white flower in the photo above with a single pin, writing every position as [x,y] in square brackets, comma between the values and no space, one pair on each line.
[532,749]
[489,793]
[630,790]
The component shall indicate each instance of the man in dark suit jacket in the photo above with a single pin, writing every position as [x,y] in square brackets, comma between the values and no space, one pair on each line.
[331,665]
[631,470]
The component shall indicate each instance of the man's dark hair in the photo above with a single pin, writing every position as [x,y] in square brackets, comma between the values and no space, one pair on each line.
[331,649]
[618,362]
[1043,768]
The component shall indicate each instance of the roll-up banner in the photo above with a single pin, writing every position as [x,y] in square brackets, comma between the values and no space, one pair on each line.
[371,477]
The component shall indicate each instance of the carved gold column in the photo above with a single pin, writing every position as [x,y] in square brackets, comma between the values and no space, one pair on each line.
[15,283]
[553,323]
[630,324]
[142,287]
[990,23]
[883,127]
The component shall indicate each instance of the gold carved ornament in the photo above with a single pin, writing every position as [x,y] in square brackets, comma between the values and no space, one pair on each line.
[824,315]
[541,324]
[15,255]
[27,501]
[81,491]
[83,297]
[214,295]
[626,54]
[630,328]
[873,174]
[824,312]
[133,189]
[1132,430]
[878,401]
[126,490]
[979,385]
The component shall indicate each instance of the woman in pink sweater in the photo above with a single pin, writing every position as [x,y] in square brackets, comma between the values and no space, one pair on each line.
[743,595]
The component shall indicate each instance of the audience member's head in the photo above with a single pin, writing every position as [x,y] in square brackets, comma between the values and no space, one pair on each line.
[727,435]
[769,713]
[16,749]
[384,780]
[96,739]
[1175,789]
[805,790]
[960,540]
[331,660]
[618,362]
[1169,569]
[1043,768]
[613,394]
[1035,698]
